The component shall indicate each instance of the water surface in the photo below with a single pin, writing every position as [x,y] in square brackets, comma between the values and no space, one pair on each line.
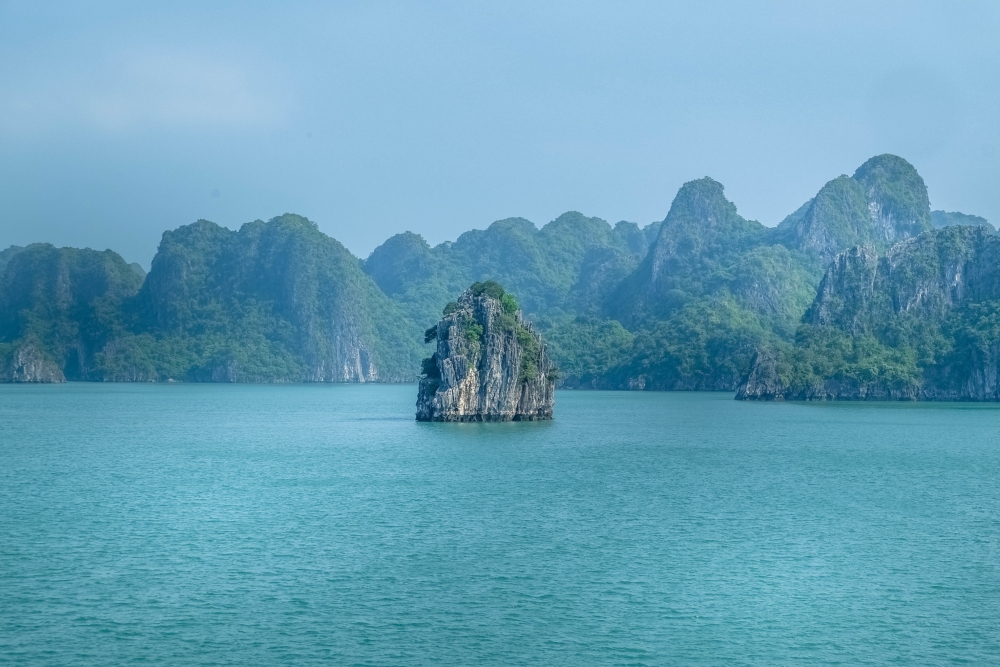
[307,525]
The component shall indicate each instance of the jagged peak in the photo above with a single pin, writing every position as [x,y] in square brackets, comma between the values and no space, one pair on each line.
[885,201]
[896,192]
[704,198]
[885,165]
[701,209]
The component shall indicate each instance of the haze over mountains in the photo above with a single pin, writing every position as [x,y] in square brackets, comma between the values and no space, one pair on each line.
[686,303]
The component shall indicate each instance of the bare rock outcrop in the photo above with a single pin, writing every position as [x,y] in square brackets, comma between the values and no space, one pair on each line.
[27,363]
[763,382]
[489,365]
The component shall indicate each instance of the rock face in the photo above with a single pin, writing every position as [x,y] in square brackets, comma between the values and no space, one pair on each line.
[489,364]
[276,301]
[925,277]
[763,382]
[26,363]
[58,309]
[919,322]
[701,233]
[884,202]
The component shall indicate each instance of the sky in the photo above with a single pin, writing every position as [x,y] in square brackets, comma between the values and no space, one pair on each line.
[119,120]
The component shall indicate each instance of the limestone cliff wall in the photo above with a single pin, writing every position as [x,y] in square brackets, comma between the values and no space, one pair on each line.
[489,365]
[939,290]
[27,363]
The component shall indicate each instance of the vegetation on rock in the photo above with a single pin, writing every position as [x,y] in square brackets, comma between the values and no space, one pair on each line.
[488,363]
[686,303]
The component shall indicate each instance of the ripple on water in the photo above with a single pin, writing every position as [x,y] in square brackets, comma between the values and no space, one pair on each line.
[201,524]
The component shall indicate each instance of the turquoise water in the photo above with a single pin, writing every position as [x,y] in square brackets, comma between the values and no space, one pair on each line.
[255,525]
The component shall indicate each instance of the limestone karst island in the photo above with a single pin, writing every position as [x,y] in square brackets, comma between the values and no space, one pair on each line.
[489,364]
[864,292]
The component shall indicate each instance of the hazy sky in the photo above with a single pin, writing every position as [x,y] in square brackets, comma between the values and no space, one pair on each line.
[121,120]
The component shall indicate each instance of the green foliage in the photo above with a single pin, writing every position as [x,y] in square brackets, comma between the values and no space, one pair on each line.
[898,190]
[707,345]
[776,283]
[451,307]
[507,322]
[586,348]
[540,265]
[274,302]
[509,303]
[6,255]
[973,333]
[431,334]
[472,330]
[69,301]
[827,353]
[840,216]
[530,351]
[490,288]
[281,291]
[837,218]
[977,327]
[700,242]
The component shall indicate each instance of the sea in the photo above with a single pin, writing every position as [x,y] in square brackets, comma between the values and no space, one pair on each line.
[192,524]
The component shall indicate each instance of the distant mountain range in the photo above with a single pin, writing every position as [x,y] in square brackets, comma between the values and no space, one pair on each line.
[703,300]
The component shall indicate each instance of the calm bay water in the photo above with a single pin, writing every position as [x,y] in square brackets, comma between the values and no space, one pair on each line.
[255,525]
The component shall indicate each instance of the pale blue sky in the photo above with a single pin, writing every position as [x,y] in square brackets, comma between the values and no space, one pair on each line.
[120,120]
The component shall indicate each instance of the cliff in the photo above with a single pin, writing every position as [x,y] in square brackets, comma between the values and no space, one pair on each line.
[920,321]
[884,202]
[684,303]
[58,309]
[276,301]
[489,364]
[25,362]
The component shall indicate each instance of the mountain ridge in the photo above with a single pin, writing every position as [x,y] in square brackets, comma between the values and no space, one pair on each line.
[683,303]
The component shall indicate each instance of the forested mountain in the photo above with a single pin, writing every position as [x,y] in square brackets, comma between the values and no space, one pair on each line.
[274,302]
[712,288]
[58,308]
[565,266]
[6,255]
[884,202]
[686,303]
[921,320]
[560,273]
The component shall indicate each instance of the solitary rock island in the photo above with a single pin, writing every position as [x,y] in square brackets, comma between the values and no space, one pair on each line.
[490,365]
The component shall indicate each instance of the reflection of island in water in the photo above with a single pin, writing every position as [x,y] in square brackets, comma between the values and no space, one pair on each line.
[489,365]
